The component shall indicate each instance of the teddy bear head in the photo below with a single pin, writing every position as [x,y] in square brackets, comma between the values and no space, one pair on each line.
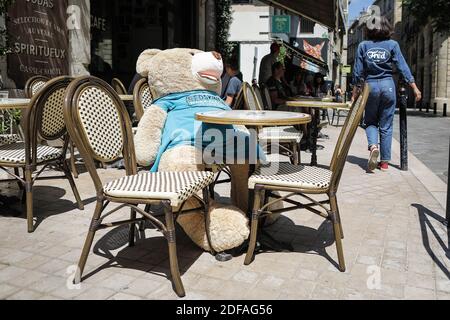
[179,70]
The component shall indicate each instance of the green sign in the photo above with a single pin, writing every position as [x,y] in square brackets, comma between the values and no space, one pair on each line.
[346,69]
[281,24]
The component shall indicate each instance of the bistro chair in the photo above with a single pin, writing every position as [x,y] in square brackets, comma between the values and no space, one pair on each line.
[142,98]
[34,84]
[288,138]
[259,96]
[44,121]
[267,98]
[118,86]
[100,126]
[340,112]
[238,103]
[306,181]
[32,87]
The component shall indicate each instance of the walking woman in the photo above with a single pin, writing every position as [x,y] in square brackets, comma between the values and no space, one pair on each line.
[375,62]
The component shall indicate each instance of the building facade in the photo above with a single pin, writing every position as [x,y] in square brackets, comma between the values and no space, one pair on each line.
[251,30]
[106,37]
[428,54]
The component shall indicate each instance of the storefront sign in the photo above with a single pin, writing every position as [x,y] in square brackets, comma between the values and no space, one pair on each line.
[39,39]
[281,24]
[346,69]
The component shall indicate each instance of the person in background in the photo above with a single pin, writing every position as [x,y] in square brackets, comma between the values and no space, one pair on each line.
[338,94]
[319,88]
[374,64]
[297,85]
[278,89]
[265,69]
[231,84]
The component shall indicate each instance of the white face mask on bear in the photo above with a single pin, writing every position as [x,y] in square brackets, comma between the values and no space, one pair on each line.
[207,68]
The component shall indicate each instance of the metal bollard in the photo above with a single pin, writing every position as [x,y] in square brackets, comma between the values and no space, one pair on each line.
[435,108]
[403,101]
[445,110]
[447,216]
[428,107]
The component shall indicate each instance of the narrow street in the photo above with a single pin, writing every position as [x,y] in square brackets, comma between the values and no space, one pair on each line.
[428,140]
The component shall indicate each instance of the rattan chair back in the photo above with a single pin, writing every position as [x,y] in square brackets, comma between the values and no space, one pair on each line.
[34,85]
[250,98]
[45,117]
[258,95]
[142,97]
[267,98]
[346,137]
[99,125]
[118,86]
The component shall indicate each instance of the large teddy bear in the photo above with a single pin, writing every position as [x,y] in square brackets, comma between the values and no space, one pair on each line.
[184,82]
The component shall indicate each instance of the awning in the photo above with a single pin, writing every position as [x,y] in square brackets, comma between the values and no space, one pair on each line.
[306,61]
[326,12]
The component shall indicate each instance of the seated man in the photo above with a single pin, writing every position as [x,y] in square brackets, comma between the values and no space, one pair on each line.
[278,89]
[231,84]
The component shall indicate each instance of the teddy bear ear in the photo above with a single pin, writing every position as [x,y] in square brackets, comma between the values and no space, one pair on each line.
[142,65]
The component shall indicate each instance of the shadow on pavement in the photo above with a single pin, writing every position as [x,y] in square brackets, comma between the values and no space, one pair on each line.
[426,218]
[149,255]
[47,201]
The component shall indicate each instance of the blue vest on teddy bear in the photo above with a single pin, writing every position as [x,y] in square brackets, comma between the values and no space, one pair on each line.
[181,128]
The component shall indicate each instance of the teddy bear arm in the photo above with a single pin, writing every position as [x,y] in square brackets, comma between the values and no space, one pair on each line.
[148,136]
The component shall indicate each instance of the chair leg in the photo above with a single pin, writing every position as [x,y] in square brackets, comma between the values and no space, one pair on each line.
[259,199]
[88,242]
[132,232]
[207,219]
[69,177]
[295,153]
[171,239]
[338,215]
[337,234]
[72,160]
[212,193]
[19,183]
[29,199]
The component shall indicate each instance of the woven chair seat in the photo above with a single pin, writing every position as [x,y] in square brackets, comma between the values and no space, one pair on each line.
[291,176]
[9,138]
[15,153]
[175,187]
[286,133]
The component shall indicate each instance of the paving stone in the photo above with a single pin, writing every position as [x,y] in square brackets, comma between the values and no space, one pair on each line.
[414,293]
[96,294]
[388,235]
[7,290]
[25,294]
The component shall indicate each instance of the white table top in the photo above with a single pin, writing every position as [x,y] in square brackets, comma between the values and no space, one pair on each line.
[14,103]
[318,104]
[254,118]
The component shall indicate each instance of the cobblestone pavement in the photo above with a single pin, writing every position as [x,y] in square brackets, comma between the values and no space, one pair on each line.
[428,140]
[396,247]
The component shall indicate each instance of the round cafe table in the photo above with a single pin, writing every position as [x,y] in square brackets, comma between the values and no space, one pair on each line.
[13,103]
[240,195]
[240,173]
[317,105]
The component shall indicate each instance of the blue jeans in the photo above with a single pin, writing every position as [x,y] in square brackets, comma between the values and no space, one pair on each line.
[379,117]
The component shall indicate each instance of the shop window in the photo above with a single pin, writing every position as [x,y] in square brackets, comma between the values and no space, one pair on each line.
[307,26]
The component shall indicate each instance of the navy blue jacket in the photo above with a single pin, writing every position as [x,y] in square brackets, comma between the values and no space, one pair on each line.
[376,61]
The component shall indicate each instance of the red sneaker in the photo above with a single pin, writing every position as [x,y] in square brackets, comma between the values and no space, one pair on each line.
[383,166]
